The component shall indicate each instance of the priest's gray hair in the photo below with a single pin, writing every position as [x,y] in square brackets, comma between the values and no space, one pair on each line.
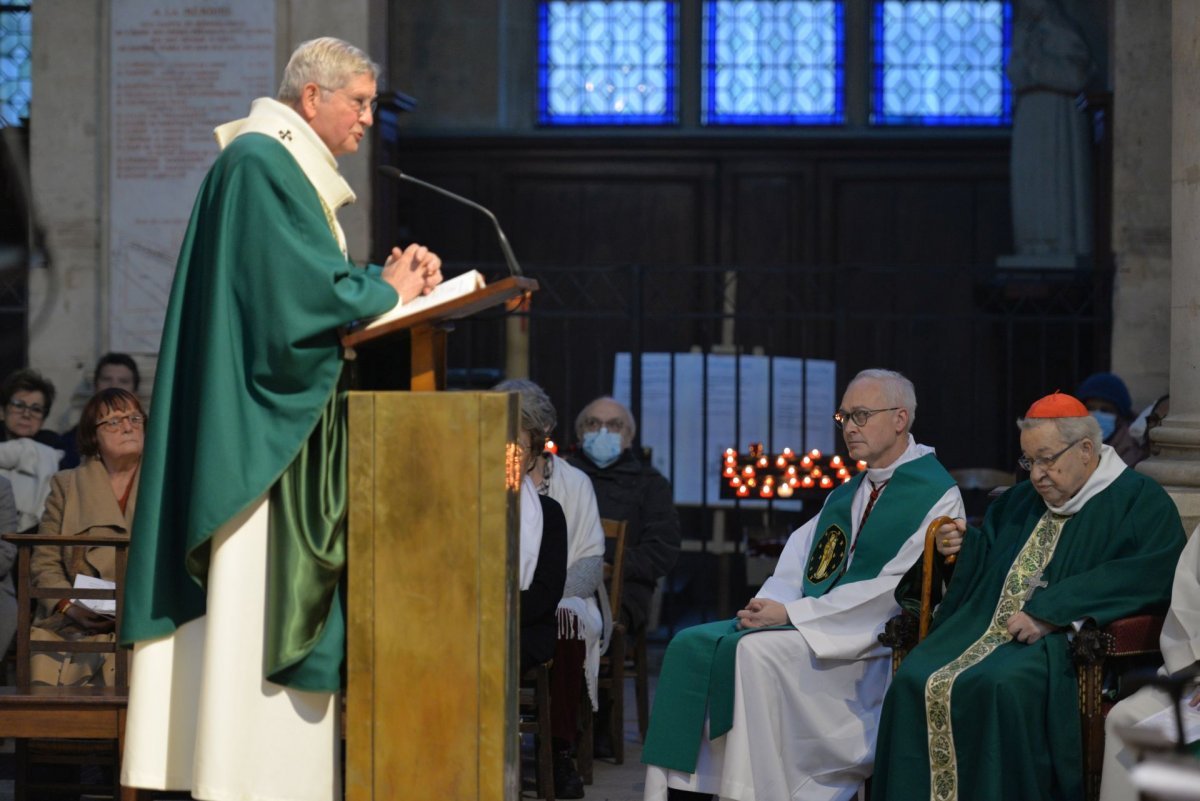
[537,412]
[328,62]
[898,391]
[1071,429]
[626,418]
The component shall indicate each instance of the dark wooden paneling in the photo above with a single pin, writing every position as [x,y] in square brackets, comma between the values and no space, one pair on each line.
[700,201]
[872,252]
[767,215]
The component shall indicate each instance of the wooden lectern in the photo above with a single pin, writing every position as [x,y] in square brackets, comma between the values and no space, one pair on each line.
[428,329]
[433,618]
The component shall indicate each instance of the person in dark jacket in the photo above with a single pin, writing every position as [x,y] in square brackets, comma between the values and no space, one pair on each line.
[628,489]
[632,490]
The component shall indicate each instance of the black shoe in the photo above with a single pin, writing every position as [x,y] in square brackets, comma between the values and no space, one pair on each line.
[602,745]
[567,781]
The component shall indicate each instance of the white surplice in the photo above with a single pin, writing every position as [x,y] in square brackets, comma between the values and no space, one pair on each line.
[807,702]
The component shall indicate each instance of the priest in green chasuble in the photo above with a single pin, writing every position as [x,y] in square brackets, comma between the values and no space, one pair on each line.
[985,708]
[232,599]
[782,702]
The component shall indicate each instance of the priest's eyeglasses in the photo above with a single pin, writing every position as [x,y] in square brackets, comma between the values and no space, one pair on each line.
[1044,462]
[117,423]
[859,416]
[361,104]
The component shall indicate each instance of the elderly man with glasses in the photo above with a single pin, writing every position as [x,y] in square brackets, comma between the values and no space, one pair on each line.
[627,488]
[792,708]
[232,598]
[986,706]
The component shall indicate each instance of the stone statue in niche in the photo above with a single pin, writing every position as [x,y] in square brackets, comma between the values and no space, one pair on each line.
[1051,174]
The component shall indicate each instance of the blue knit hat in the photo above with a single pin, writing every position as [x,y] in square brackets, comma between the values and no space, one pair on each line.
[1107,387]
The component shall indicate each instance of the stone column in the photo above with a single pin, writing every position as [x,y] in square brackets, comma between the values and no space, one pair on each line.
[1141,202]
[1177,464]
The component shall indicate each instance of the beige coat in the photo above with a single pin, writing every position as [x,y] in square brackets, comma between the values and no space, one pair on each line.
[81,503]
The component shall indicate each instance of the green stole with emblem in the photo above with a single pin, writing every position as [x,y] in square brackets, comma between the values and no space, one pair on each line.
[701,660]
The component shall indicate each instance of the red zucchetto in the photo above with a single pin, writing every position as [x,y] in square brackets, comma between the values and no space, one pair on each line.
[1057,404]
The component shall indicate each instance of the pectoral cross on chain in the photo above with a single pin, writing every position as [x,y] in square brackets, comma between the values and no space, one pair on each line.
[1033,583]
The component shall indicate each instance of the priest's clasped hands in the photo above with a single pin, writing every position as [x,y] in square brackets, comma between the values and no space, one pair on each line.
[414,271]
[760,612]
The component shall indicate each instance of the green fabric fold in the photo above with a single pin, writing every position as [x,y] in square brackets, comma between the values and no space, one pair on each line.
[305,632]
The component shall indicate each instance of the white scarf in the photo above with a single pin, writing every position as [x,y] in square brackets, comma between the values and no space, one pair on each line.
[1109,469]
[282,123]
[531,531]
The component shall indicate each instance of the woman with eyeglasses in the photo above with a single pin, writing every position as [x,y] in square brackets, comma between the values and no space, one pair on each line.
[26,396]
[98,497]
[29,453]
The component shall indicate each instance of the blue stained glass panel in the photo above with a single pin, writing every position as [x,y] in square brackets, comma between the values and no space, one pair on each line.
[608,62]
[941,62]
[773,62]
[15,63]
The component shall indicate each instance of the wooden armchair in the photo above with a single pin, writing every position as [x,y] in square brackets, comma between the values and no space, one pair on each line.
[1099,655]
[534,703]
[612,663]
[73,713]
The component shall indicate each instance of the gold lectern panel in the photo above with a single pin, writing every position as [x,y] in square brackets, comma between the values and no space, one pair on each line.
[432,621]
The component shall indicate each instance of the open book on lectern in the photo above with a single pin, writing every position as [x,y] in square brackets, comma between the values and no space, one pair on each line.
[458,298]
[457,287]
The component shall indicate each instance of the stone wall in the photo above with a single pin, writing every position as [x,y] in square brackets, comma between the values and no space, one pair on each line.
[69,152]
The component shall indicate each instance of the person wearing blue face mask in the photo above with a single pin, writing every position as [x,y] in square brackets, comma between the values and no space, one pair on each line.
[629,489]
[1108,401]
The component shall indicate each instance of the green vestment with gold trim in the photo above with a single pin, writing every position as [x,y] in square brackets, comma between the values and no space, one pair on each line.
[1009,711]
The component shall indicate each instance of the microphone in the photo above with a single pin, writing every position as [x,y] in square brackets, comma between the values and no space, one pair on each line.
[509,258]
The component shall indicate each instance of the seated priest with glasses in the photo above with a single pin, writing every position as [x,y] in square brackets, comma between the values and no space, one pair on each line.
[986,706]
[790,712]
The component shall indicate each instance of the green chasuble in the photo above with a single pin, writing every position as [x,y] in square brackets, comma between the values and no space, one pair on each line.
[697,677]
[245,402]
[973,714]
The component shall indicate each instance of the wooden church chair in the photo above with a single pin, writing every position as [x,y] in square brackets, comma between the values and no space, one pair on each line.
[534,704]
[1101,657]
[64,713]
[612,664]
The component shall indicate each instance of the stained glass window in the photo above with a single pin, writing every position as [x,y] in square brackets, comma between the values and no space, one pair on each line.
[941,62]
[773,62]
[607,62]
[15,25]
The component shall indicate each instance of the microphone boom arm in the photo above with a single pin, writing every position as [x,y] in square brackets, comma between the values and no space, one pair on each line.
[509,258]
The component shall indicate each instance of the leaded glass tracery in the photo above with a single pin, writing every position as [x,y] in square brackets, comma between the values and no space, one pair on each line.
[607,62]
[941,62]
[773,62]
[15,62]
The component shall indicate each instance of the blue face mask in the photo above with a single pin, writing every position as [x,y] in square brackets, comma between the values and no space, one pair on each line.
[602,447]
[1107,421]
